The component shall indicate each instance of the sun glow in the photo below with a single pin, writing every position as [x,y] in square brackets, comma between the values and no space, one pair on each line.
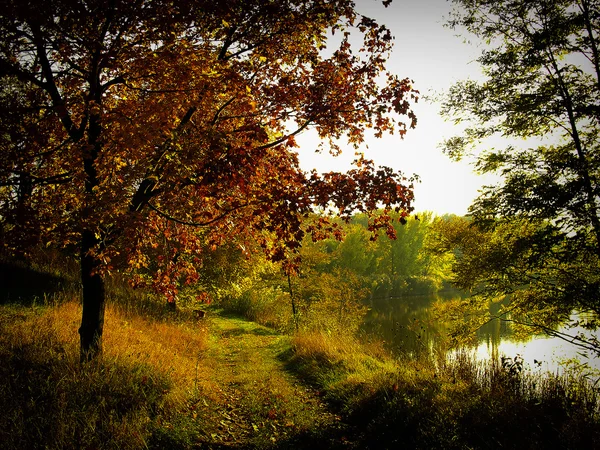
[434,59]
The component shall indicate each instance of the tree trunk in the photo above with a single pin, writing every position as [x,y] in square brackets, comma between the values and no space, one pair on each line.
[583,166]
[294,311]
[92,283]
[93,300]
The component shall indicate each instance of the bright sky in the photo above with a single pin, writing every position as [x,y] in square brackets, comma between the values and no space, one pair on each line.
[434,58]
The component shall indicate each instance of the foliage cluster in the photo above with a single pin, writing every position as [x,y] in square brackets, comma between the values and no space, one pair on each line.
[335,280]
[385,267]
[518,271]
[535,237]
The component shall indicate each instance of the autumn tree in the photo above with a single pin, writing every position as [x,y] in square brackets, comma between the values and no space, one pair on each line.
[129,124]
[541,90]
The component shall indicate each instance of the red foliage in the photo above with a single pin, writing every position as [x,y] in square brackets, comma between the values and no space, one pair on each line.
[144,122]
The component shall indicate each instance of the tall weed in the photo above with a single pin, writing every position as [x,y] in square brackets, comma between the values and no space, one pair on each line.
[457,403]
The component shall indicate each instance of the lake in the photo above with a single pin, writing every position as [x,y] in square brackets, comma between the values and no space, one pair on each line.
[407,325]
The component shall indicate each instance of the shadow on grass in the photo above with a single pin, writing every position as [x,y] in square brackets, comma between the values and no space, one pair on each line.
[50,401]
[265,332]
[27,286]
[332,437]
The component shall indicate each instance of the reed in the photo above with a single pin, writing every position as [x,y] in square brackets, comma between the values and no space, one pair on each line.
[460,403]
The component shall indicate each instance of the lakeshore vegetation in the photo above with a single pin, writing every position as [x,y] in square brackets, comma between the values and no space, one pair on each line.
[251,374]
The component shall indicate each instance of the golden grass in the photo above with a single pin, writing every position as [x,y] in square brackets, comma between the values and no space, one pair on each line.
[149,374]
[174,349]
[342,348]
[158,384]
[349,371]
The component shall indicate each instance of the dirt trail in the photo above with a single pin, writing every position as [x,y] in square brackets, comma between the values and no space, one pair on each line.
[263,404]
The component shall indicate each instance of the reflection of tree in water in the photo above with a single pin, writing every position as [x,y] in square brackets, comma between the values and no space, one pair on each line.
[406,324]
[492,333]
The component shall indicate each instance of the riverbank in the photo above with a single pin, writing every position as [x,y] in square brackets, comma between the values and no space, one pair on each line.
[174,382]
[168,380]
[448,404]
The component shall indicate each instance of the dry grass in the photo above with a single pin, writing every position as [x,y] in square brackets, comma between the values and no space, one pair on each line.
[174,349]
[347,370]
[342,349]
[149,373]
[169,383]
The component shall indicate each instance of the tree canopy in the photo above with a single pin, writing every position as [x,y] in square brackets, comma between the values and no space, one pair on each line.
[540,227]
[129,125]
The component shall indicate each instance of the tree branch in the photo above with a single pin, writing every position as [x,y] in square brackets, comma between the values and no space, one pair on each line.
[286,137]
[575,340]
[50,87]
[195,224]
[221,109]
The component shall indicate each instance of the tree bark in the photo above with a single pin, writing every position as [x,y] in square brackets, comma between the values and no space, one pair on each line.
[93,301]
[294,311]
[92,283]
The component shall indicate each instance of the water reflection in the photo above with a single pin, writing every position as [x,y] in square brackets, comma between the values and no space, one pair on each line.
[408,327]
[539,352]
[406,324]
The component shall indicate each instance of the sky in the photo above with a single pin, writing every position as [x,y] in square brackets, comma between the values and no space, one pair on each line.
[434,57]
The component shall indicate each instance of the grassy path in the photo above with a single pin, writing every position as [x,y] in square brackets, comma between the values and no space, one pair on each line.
[263,405]
[174,384]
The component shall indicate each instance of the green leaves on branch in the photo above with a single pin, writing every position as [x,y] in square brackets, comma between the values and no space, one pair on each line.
[535,237]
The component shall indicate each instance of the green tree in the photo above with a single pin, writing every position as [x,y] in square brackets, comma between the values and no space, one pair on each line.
[332,281]
[355,252]
[403,263]
[542,87]
[512,277]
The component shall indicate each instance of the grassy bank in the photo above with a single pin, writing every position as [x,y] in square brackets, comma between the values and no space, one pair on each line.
[449,404]
[165,381]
